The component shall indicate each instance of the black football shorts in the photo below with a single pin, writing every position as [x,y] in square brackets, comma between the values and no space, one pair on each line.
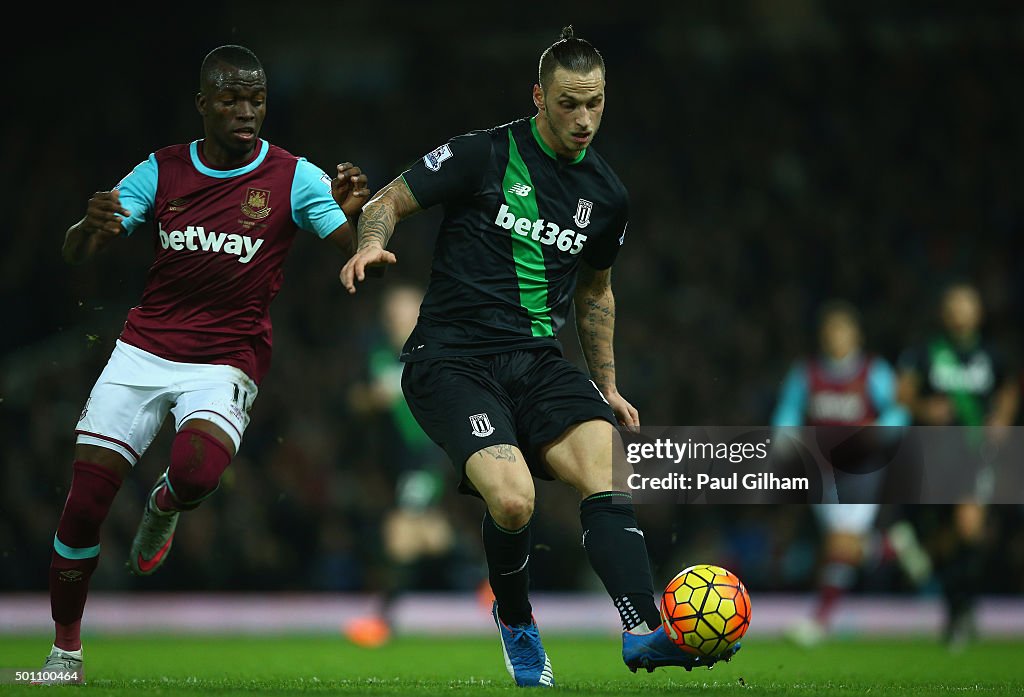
[526,398]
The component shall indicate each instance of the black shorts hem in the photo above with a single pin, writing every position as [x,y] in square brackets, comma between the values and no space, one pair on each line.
[527,399]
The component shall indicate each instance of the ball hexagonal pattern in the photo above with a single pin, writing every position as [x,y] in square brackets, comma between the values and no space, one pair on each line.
[705,609]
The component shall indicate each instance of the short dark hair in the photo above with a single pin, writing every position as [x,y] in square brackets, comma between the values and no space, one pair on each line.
[837,306]
[957,284]
[232,54]
[575,55]
[960,285]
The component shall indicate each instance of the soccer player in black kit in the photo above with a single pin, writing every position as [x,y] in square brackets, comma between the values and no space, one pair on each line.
[958,378]
[533,220]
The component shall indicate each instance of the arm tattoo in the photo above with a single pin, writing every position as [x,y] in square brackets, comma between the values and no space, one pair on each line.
[503,451]
[595,324]
[376,224]
[381,214]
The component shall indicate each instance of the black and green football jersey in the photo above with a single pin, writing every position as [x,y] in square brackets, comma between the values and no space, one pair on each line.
[970,375]
[518,220]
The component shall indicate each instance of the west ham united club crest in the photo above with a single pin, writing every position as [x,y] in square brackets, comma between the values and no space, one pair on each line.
[257,203]
[481,425]
[583,209]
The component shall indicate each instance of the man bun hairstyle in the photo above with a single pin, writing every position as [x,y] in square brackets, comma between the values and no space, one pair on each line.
[575,55]
[233,55]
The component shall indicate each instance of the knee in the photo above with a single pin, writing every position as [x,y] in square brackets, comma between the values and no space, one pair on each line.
[512,510]
[197,462]
[105,458]
[970,521]
[844,547]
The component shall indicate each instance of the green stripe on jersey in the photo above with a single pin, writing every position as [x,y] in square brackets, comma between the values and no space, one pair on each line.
[527,252]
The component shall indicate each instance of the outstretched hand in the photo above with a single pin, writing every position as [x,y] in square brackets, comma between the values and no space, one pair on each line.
[103,215]
[356,267]
[349,189]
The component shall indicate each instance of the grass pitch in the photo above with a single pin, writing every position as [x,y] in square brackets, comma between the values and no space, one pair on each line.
[224,666]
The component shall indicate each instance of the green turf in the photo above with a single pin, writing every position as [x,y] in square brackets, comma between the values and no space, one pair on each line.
[170,666]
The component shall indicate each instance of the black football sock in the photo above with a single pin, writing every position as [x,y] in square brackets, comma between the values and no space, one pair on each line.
[399,581]
[962,579]
[617,551]
[508,558]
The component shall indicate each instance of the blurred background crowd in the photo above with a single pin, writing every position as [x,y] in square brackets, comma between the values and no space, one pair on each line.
[777,154]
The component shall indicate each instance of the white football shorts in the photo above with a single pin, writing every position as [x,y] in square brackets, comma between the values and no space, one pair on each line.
[853,518]
[136,390]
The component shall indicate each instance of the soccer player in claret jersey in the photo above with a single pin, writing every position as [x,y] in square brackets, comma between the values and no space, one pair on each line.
[843,385]
[224,212]
[534,218]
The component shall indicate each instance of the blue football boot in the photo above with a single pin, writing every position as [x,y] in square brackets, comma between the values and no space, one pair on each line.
[656,650]
[525,658]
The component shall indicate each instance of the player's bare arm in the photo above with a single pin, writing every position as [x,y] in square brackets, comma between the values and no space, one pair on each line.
[595,324]
[1004,406]
[102,223]
[376,225]
[350,190]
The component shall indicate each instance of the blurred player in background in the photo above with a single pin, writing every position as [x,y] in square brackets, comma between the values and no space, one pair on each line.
[224,212]
[416,530]
[844,386]
[958,378]
[534,218]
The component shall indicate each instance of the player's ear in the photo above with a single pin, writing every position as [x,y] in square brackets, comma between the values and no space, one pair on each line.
[538,97]
[201,103]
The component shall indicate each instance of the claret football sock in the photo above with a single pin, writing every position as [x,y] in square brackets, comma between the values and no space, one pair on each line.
[508,560]
[76,548]
[617,551]
[837,577]
[197,462]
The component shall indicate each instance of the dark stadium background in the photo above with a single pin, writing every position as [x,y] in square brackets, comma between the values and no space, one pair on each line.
[777,154]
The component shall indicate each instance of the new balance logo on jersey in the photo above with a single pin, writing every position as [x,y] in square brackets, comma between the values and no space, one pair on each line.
[541,231]
[520,189]
[196,238]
